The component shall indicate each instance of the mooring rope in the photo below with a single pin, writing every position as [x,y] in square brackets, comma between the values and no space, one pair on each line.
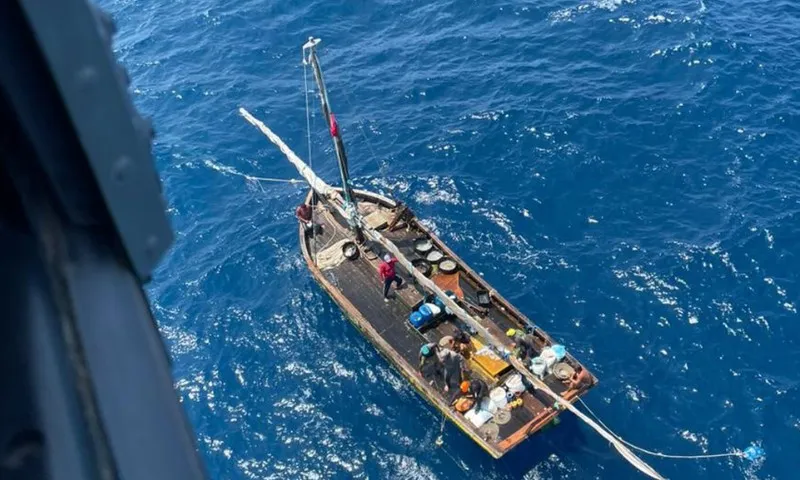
[735,453]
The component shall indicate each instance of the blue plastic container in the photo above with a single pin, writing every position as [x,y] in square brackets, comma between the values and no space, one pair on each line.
[439,303]
[416,320]
[560,352]
[427,314]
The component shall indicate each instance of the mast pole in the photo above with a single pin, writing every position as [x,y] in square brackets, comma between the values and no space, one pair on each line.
[310,57]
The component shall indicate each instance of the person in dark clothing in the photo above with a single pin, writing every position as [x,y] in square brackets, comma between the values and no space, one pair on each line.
[524,346]
[462,343]
[430,367]
[479,390]
[388,275]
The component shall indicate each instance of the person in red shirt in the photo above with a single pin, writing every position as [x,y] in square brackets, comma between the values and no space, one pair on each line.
[388,275]
[303,214]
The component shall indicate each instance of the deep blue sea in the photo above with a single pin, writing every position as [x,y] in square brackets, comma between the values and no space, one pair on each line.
[625,171]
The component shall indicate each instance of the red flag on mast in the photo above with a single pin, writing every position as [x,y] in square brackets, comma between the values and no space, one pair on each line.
[334,127]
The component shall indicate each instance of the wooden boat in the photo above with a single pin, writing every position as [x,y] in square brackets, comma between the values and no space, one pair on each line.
[356,287]
[352,230]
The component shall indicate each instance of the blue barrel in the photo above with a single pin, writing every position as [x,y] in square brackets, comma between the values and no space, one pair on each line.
[427,314]
[439,303]
[416,320]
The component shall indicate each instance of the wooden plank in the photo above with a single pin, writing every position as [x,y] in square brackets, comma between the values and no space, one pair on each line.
[494,367]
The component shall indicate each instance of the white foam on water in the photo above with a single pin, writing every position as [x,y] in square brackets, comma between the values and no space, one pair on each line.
[340,371]
[488,115]
[770,239]
[634,394]
[437,196]
[696,438]
[658,19]
[181,341]
[403,467]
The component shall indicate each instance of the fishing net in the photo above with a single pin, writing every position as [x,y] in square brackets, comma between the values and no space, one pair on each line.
[331,256]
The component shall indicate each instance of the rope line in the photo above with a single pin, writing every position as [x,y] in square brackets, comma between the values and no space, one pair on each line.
[268,179]
[735,453]
[381,165]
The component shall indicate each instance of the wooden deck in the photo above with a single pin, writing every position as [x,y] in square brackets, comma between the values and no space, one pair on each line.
[357,289]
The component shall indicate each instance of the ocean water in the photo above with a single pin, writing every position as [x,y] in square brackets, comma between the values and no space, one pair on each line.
[625,171]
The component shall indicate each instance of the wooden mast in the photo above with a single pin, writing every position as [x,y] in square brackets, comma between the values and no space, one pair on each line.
[310,57]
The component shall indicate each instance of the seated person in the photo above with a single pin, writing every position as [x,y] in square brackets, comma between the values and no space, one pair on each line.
[580,379]
[524,344]
[476,389]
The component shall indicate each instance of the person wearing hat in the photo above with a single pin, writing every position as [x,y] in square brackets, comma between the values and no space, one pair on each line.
[476,389]
[388,275]
[429,365]
[524,345]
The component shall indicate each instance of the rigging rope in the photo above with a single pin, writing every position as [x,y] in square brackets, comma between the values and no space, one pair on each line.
[735,453]
[381,165]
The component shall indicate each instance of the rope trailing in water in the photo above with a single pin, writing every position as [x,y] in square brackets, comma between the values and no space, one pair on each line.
[267,179]
[735,453]
[440,439]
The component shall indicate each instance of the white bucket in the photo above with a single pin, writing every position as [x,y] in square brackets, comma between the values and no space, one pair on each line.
[538,366]
[549,357]
[498,396]
[488,405]
[434,309]
[514,384]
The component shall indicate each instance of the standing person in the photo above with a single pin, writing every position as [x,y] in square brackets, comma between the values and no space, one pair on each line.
[388,275]
[429,365]
[452,362]
[462,343]
[303,214]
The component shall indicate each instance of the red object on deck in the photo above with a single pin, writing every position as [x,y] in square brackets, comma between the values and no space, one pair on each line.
[334,127]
